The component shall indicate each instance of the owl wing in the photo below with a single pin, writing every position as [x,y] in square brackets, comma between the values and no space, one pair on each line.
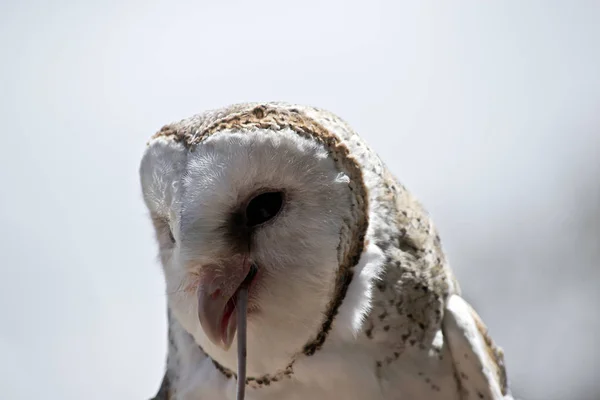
[478,362]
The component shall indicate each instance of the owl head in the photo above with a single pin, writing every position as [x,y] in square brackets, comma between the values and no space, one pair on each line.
[264,185]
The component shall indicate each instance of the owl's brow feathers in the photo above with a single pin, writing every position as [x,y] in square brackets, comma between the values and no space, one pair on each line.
[277,117]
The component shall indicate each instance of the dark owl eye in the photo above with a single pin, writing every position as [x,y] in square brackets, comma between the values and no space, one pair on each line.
[263,207]
[171,237]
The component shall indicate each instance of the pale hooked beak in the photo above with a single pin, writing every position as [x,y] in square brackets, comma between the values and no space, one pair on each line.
[217,297]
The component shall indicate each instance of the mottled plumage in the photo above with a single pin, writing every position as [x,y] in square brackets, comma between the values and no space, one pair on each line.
[387,321]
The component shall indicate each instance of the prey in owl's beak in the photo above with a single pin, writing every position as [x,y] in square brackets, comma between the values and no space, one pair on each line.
[218,299]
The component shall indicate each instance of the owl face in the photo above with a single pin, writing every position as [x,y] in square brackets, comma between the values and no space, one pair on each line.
[272,199]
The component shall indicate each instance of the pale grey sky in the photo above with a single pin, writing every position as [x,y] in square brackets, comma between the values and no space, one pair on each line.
[487,111]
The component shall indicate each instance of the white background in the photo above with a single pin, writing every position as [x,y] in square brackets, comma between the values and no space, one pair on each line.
[487,111]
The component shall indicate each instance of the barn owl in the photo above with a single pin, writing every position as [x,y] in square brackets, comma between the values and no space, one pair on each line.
[353,296]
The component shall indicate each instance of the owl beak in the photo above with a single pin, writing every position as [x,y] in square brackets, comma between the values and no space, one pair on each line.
[217,297]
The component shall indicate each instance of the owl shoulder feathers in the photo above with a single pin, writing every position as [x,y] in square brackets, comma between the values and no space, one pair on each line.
[428,297]
[478,362]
